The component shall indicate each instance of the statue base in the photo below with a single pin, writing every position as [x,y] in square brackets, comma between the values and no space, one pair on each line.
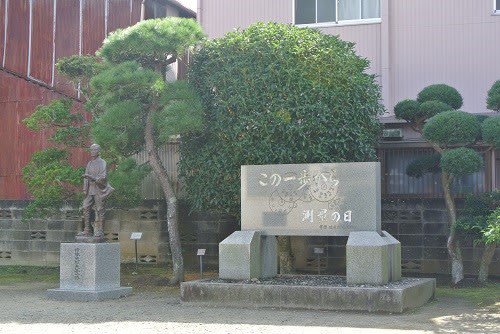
[90,239]
[89,272]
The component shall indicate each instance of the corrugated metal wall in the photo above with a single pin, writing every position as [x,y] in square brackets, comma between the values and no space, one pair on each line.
[33,35]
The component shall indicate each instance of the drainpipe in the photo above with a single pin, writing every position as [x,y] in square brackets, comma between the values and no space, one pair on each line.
[198,12]
[143,9]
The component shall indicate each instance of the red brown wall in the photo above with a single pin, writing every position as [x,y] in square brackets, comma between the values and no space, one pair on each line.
[33,35]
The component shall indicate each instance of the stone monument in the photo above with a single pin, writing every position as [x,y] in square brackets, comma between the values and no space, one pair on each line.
[90,268]
[329,199]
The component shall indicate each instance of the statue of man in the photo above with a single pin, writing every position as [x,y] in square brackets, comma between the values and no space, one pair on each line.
[96,189]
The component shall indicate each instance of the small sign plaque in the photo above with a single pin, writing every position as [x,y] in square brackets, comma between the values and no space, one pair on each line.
[201,251]
[136,236]
[319,250]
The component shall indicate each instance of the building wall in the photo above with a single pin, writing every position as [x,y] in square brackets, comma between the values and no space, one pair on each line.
[33,35]
[418,42]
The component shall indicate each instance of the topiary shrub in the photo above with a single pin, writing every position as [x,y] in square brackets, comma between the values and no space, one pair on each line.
[431,108]
[443,93]
[461,161]
[452,128]
[493,99]
[407,110]
[423,165]
[491,131]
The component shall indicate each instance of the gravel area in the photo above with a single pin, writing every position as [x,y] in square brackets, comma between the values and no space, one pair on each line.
[313,280]
[25,309]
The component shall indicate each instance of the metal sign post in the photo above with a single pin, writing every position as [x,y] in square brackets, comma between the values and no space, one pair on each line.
[200,253]
[136,236]
[318,251]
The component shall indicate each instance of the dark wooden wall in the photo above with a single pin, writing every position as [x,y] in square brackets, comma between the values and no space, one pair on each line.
[33,35]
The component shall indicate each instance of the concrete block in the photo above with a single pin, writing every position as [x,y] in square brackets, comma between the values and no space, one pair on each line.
[89,272]
[239,255]
[394,252]
[367,258]
[269,256]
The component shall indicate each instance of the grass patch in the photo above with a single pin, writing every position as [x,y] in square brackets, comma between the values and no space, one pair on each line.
[140,276]
[27,274]
[481,296]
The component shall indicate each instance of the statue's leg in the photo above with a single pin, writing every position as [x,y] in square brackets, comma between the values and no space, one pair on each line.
[99,219]
[87,206]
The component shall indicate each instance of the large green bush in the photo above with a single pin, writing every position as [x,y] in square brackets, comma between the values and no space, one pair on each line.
[275,94]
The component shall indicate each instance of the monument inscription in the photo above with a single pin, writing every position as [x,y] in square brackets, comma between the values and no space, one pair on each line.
[311,199]
[77,270]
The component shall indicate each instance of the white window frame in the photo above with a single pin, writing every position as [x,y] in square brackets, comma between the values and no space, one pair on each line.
[496,8]
[337,22]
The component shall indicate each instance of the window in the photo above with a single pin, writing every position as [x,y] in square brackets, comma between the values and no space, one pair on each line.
[497,6]
[333,11]
[396,182]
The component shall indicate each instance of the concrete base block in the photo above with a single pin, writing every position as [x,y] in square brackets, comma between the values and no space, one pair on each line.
[372,258]
[89,272]
[394,252]
[88,296]
[247,255]
[407,294]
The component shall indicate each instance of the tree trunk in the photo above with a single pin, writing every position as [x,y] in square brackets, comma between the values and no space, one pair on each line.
[172,223]
[489,251]
[285,255]
[453,244]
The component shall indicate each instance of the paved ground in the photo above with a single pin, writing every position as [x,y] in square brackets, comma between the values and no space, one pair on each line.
[24,309]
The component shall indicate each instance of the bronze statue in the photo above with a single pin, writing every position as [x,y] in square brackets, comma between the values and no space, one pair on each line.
[96,189]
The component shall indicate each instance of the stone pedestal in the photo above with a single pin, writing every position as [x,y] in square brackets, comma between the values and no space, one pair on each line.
[372,258]
[89,272]
[247,255]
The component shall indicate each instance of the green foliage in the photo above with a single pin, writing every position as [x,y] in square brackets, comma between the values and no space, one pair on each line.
[493,99]
[461,161]
[275,93]
[126,178]
[67,127]
[453,127]
[407,110]
[491,234]
[123,87]
[431,108]
[152,43]
[51,180]
[423,165]
[477,208]
[491,131]
[182,112]
[443,93]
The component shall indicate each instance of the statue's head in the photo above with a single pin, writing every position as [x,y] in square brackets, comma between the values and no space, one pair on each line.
[94,150]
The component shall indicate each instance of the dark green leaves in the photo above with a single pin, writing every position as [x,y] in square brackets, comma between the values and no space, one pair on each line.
[275,93]
[493,99]
[152,43]
[452,128]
